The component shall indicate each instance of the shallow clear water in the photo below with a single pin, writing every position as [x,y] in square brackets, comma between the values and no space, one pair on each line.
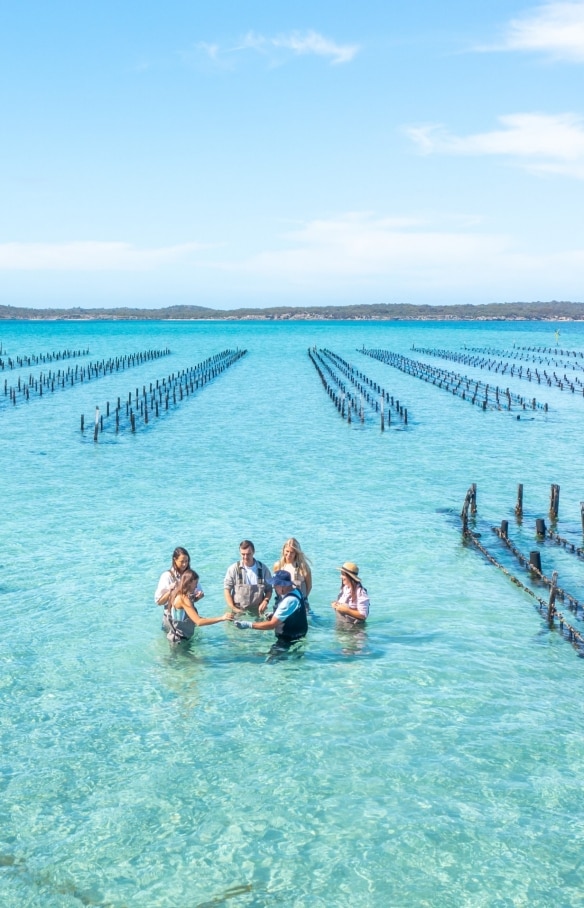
[433,759]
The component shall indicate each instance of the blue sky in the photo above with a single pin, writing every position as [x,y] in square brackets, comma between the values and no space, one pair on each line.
[244,153]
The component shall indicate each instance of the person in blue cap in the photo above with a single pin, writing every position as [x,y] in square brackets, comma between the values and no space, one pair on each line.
[288,619]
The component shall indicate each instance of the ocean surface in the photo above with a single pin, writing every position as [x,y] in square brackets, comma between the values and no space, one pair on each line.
[433,758]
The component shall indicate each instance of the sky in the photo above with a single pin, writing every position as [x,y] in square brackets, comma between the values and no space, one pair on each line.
[263,154]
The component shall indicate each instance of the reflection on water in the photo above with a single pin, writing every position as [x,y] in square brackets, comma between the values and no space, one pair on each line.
[352,637]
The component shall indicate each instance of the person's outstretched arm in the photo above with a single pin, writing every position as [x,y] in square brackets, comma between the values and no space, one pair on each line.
[185,603]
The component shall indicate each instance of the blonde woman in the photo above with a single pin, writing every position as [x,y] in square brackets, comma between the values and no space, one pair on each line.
[296,563]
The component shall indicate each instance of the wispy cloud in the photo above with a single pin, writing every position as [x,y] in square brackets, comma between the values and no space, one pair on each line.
[540,142]
[553,28]
[277,48]
[313,43]
[362,246]
[91,256]
[358,255]
[209,50]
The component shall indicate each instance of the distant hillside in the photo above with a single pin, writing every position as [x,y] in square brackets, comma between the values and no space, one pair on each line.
[551,311]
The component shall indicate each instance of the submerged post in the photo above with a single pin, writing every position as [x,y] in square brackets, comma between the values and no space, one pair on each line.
[96,428]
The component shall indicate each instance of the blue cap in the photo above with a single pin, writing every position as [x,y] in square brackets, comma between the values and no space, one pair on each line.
[281,578]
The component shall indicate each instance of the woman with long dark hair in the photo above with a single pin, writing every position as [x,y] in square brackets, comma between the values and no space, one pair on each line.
[352,602]
[181,615]
[181,561]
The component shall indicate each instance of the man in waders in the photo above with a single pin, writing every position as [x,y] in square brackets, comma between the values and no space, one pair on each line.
[248,583]
[289,618]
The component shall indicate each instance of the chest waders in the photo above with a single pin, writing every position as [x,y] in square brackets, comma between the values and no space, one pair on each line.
[177,622]
[248,596]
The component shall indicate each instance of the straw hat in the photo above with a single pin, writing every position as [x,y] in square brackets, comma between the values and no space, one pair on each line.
[351,569]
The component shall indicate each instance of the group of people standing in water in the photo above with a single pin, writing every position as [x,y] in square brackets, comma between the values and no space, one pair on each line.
[248,587]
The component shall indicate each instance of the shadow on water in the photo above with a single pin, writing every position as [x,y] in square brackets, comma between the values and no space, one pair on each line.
[351,641]
[186,652]
[231,893]
[41,880]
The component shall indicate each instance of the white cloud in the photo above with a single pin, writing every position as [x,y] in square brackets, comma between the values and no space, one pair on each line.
[355,257]
[541,142]
[555,28]
[90,256]
[296,43]
[361,246]
[313,43]
[358,255]
[210,50]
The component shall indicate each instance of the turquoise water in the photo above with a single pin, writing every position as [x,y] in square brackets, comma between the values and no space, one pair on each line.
[433,759]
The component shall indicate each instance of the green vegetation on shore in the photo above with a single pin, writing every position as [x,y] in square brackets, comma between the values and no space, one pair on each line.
[550,311]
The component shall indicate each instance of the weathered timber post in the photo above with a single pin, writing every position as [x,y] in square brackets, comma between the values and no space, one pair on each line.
[535,561]
[552,599]
[554,501]
[519,505]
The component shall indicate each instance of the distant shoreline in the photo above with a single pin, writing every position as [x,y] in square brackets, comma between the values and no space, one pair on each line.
[553,311]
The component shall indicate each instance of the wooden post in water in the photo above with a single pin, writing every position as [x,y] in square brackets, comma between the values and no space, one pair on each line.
[540,527]
[519,505]
[535,560]
[468,499]
[554,501]
[505,529]
[464,516]
[96,428]
[552,599]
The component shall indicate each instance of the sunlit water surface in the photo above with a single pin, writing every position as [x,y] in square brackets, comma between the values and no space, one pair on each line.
[433,759]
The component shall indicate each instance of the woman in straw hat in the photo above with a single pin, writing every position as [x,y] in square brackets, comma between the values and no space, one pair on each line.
[352,601]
